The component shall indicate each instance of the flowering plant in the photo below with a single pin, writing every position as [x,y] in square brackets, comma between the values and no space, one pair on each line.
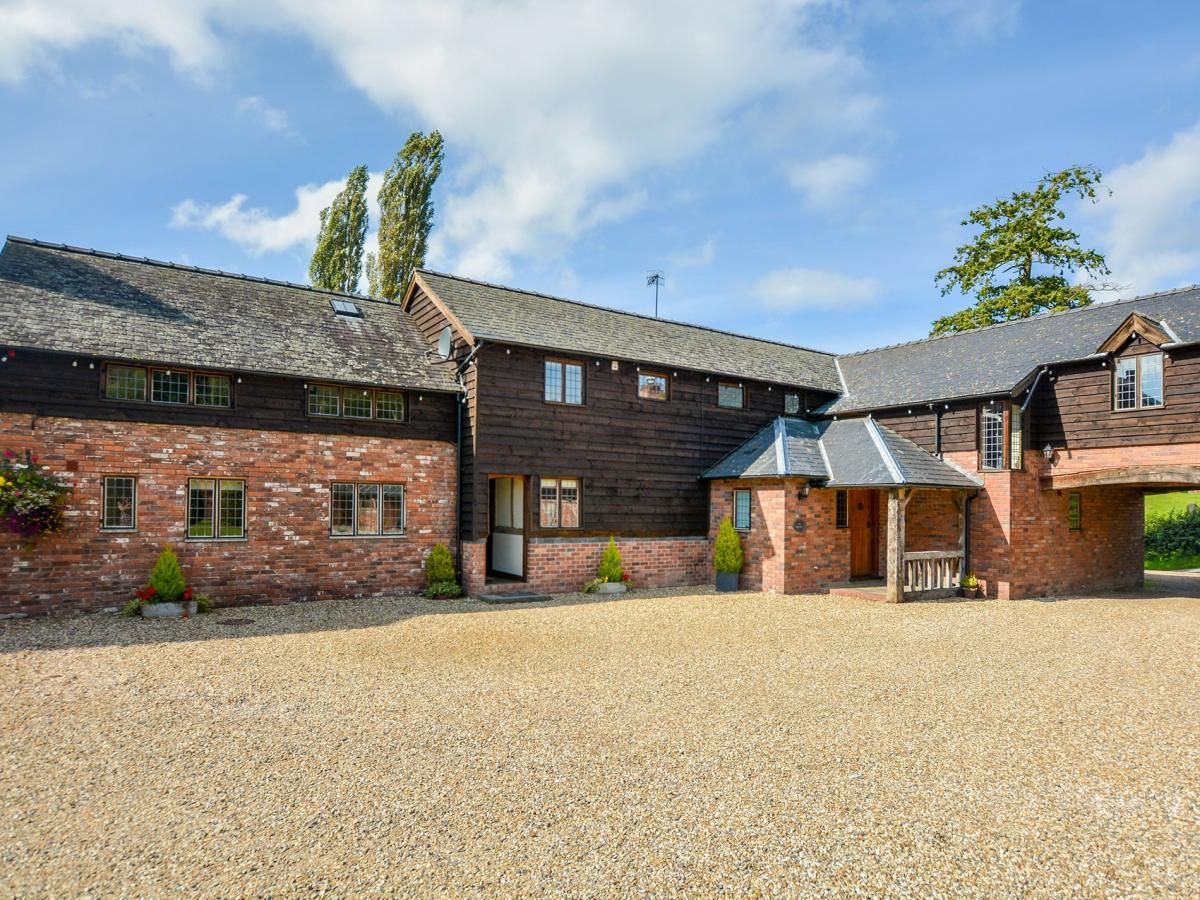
[31,496]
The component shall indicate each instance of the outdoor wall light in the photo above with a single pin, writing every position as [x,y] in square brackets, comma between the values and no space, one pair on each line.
[804,491]
[1048,452]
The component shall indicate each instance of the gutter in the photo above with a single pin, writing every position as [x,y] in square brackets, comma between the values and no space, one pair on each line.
[458,449]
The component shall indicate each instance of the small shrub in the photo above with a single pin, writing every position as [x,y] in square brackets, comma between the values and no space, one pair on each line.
[611,569]
[592,586]
[132,608]
[970,582]
[439,566]
[727,549]
[167,578]
[204,603]
[443,590]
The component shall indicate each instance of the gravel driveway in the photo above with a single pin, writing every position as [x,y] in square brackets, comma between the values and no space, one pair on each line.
[660,743]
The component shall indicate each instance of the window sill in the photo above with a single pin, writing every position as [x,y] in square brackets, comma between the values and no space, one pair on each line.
[367,537]
[216,540]
[118,530]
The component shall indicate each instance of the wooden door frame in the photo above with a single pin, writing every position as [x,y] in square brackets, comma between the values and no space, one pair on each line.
[491,523]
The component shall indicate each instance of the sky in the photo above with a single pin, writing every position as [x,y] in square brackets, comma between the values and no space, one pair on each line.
[798,169]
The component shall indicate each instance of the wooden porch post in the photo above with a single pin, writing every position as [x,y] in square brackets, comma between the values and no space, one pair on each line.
[897,501]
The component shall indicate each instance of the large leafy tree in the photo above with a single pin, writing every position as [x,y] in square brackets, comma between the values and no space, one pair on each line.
[405,214]
[337,260]
[1017,265]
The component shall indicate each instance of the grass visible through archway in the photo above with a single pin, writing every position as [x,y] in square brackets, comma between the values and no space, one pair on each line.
[1159,506]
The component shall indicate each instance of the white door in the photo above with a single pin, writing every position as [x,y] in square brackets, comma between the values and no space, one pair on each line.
[508,526]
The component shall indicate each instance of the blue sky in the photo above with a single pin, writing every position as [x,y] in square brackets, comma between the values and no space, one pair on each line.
[798,168]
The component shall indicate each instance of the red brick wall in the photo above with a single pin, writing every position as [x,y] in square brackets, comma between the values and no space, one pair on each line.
[931,521]
[561,565]
[779,557]
[288,553]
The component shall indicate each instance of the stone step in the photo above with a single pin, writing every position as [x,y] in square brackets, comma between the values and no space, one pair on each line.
[515,597]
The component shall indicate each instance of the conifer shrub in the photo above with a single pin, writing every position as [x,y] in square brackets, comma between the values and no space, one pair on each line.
[439,565]
[727,549]
[167,578]
[611,569]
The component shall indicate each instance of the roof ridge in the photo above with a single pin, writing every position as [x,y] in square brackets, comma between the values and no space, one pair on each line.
[167,264]
[1106,304]
[889,458]
[623,312]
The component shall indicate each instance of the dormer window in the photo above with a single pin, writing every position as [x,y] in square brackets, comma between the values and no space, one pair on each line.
[1138,382]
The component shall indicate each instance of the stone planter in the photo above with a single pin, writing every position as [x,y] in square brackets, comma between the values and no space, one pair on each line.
[168,610]
[610,587]
[727,582]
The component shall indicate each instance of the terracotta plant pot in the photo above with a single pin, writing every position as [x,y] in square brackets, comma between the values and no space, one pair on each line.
[168,610]
[971,593]
[727,582]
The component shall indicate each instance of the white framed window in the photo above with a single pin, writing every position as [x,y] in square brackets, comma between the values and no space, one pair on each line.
[118,503]
[366,509]
[563,382]
[653,386]
[558,502]
[1138,382]
[216,509]
[991,436]
[741,510]
[731,396]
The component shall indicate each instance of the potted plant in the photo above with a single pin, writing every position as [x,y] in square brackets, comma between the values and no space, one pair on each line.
[440,580]
[166,594]
[611,573]
[970,586]
[727,556]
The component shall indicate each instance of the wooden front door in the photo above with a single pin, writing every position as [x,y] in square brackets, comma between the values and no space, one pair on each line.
[864,533]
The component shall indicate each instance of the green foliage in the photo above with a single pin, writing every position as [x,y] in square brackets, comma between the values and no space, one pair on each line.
[132,608]
[31,496]
[405,214]
[442,590]
[337,259]
[727,549]
[592,586]
[611,569]
[1016,236]
[1172,538]
[167,578]
[1161,504]
[204,603]
[439,565]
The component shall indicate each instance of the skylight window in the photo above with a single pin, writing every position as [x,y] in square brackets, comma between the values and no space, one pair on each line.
[346,308]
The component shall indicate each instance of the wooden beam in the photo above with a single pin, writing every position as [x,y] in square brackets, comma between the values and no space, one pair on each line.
[897,501]
[1131,475]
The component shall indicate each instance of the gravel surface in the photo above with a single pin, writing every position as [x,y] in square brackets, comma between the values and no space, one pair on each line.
[675,743]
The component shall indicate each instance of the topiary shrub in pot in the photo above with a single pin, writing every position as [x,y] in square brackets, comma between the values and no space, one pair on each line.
[166,594]
[727,556]
[440,580]
[611,574]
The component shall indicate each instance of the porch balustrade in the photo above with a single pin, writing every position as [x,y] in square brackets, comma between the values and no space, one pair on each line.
[932,570]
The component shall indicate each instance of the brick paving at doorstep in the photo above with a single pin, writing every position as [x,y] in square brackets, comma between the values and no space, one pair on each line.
[665,742]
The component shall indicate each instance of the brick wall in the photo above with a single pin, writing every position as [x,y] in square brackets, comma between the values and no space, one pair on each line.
[561,565]
[288,553]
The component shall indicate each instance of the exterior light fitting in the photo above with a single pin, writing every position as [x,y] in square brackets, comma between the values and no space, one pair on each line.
[804,491]
[1048,452]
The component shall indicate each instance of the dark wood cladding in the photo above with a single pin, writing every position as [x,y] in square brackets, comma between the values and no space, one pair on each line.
[959,431]
[639,460]
[46,384]
[1074,407]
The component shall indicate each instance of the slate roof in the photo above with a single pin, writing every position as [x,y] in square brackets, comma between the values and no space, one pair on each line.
[841,453]
[67,299]
[507,315]
[997,359]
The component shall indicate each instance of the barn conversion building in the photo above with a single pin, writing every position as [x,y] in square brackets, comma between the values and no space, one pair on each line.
[293,443]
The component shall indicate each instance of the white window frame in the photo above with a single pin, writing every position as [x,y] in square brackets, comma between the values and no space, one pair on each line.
[1139,396]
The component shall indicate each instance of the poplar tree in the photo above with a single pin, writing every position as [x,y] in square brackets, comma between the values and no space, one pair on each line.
[405,214]
[337,259]
[1023,239]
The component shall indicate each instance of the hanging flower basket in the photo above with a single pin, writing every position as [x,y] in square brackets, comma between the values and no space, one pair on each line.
[31,496]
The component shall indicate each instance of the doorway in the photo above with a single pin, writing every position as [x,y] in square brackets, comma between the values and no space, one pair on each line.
[864,533]
[506,532]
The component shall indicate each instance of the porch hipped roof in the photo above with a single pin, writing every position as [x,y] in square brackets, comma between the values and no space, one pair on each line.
[840,453]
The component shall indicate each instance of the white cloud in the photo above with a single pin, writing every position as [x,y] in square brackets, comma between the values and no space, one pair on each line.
[824,181]
[975,20]
[789,290]
[270,117]
[1152,220]
[552,110]
[694,257]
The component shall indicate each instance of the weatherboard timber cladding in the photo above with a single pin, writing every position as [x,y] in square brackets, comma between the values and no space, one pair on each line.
[639,459]
[47,384]
[1073,407]
[958,426]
